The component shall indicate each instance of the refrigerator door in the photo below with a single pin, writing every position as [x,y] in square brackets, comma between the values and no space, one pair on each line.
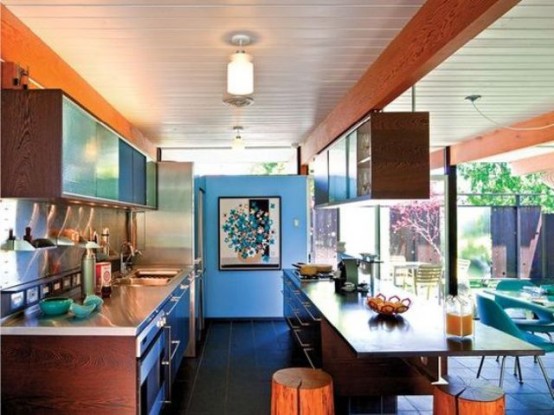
[166,236]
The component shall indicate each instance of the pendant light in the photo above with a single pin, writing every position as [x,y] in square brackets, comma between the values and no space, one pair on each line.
[238,144]
[240,70]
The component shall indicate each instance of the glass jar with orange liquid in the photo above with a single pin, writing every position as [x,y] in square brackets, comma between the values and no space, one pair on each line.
[459,316]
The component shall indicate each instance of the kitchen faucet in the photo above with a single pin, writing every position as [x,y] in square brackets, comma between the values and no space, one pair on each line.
[126,255]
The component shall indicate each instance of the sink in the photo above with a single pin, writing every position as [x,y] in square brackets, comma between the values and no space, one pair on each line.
[149,277]
[154,273]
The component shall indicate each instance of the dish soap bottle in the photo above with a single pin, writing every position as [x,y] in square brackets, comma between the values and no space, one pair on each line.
[88,271]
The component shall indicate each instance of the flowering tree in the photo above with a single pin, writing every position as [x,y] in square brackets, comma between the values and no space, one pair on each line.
[422,218]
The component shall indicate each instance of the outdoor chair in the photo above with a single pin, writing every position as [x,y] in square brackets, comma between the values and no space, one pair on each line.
[428,276]
[492,314]
[399,275]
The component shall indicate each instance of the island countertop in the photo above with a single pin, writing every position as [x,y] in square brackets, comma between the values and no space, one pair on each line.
[125,313]
[417,332]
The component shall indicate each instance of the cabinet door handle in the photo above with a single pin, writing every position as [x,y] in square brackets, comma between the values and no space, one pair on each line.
[303,324]
[291,324]
[174,349]
[302,344]
[307,308]
[307,351]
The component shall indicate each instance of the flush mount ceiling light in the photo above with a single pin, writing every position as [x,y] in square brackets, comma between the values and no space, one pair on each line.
[473,98]
[238,144]
[240,71]
[238,101]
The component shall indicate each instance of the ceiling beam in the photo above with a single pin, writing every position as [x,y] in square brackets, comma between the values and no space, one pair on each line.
[46,68]
[502,140]
[534,164]
[437,30]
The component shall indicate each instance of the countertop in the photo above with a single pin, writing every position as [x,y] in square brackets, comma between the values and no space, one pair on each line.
[417,332]
[125,313]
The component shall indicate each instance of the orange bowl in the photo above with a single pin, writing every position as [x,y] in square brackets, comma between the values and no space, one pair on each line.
[388,306]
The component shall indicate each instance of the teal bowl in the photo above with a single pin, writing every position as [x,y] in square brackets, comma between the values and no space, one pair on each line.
[55,306]
[93,300]
[82,311]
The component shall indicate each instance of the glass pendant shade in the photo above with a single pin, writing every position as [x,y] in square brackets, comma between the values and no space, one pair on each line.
[238,144]
[240,74]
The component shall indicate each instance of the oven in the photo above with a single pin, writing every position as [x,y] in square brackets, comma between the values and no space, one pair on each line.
[153,359]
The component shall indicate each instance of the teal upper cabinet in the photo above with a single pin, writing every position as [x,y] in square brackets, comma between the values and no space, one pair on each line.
[338,179]
[321,178]
[52,148]
[80,151]
[132,175]
[107,164]
[90,157]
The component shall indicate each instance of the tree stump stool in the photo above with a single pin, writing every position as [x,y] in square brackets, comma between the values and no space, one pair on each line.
[475,398]
[302,391]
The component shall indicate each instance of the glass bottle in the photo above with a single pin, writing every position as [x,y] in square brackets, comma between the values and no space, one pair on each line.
[459,316]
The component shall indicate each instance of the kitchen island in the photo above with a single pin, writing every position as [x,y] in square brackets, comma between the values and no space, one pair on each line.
[119,360]
[369,354]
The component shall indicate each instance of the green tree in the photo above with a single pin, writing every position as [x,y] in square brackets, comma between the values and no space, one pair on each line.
[268,168]
[488,181]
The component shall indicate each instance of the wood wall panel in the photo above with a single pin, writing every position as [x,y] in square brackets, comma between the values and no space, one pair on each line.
[21,46]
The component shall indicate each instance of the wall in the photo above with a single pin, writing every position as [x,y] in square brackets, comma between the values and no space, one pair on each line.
[253,293]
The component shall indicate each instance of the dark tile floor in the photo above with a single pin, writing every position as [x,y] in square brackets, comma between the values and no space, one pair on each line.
[232,374]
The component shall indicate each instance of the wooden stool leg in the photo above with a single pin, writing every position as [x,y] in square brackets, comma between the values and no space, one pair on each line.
[482,399]
[302,391]
[284,398]
[444,402]
[475,398]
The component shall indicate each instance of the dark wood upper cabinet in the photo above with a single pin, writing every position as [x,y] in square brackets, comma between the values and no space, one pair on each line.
[32,143]
[387,157]
[393,156]
[53,148]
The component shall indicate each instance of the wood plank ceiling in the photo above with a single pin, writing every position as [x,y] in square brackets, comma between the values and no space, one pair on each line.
[163,64]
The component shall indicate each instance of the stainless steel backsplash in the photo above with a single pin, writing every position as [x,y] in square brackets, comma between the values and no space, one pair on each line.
[47,219]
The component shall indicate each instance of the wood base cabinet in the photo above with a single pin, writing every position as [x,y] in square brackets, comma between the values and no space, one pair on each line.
[69,375]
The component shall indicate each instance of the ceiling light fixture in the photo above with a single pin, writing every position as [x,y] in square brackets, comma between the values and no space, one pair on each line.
[238,144]
[240,71]
[473,98]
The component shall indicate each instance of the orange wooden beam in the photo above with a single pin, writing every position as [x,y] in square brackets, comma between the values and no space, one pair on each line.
[22,47]
[534,164]
[436,159]
[437,30]
[503,140]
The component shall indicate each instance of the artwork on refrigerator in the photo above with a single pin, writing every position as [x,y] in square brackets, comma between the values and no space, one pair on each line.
[249,233]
